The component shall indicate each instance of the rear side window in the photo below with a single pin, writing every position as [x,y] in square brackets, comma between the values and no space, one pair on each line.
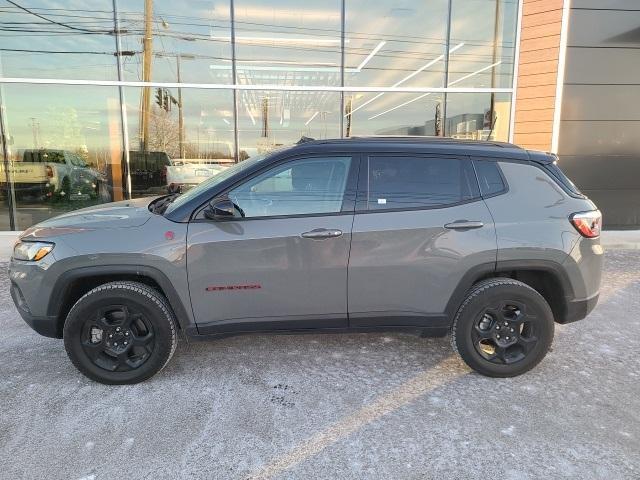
[415,182]
[489,177]
[559,175]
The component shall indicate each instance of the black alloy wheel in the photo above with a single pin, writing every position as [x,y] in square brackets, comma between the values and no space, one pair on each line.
[505,332]
[118,338]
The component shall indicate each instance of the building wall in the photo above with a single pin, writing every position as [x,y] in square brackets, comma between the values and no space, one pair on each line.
[599,144]
[537,73]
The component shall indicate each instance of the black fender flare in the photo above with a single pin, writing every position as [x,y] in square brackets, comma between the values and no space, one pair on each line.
[490,269]
[57,297]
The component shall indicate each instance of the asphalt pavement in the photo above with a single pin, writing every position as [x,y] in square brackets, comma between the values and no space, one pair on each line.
[356,406]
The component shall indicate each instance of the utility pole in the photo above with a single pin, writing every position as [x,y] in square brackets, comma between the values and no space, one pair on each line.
[147,52]
[180,113]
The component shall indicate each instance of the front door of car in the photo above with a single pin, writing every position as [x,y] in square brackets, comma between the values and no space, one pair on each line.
[281,263]
[419,226]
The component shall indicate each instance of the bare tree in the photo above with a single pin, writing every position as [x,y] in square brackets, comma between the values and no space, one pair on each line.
[163,133]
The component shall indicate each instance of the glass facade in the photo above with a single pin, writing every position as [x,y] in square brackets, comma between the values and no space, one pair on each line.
[118,99]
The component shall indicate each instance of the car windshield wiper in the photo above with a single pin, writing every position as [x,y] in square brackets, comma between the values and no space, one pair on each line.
[159,205]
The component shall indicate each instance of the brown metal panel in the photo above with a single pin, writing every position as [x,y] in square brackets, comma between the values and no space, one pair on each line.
[535,103]
[545,55]
[542,79]
[540,31]
[545,114]
[537,72]
[552,41]
[534,127]
[537,6]
[537,92]
[550,66]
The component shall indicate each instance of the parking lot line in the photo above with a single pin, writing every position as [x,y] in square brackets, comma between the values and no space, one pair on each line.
[439,375]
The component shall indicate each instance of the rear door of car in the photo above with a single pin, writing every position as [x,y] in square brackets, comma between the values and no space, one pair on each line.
[420,225]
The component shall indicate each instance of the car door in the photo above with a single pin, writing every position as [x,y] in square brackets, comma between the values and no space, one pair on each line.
[284,264]
[419,226]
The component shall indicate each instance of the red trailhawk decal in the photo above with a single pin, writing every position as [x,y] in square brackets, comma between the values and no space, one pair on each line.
[219,288]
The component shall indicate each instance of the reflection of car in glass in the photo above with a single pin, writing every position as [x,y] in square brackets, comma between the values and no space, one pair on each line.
[186,173]
[486,241]
[48,173]
[148,172]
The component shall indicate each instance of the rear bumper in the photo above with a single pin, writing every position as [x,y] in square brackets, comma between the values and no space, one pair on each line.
[46,326]
[579,309]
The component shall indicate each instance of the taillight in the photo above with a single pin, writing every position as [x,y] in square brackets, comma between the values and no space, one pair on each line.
[49,171]
[588,224]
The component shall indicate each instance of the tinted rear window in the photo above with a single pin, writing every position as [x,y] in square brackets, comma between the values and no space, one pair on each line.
[413,182]
[489,177]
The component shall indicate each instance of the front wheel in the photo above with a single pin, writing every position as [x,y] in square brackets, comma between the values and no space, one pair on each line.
[503,328]
[120,333]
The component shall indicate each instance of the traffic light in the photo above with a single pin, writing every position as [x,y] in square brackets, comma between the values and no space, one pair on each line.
[166,103]
[159,97]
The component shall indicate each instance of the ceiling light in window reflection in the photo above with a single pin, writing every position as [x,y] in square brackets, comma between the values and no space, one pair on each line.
[226,121]
[427,94]
[312,117]
[253,120]
[411,75]
[475,73]
[400,106]
[370,56]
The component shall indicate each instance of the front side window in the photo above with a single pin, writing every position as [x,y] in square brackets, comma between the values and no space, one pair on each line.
[300,187]
[419,182]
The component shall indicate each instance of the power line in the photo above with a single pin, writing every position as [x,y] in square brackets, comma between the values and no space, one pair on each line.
[52,21]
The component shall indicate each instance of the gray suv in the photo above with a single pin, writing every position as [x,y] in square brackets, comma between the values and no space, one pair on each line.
[486,241]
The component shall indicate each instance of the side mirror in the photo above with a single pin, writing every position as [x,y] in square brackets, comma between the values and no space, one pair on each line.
[222,209]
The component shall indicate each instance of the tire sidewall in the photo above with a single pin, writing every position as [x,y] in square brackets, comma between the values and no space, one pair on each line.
[130,296]
[471,311]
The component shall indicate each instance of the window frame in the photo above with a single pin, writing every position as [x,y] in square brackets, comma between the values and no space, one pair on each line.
[362,198]
[348,200]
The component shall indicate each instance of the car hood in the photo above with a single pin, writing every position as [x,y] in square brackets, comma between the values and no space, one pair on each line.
[125,214]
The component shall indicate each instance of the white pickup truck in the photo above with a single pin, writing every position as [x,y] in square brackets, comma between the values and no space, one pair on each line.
[186,173]
[47,173]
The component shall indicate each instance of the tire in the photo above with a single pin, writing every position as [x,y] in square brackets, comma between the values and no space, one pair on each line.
[120,333]
[64,193]
[503,328]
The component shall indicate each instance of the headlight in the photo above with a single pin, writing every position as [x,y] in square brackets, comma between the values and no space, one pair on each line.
[31,251]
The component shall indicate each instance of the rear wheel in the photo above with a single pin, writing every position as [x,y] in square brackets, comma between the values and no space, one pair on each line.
[120,333]
[503,328]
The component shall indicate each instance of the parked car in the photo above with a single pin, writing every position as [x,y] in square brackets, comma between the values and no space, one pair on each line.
[49,173]
[148,172]
[185,173]
[483,240]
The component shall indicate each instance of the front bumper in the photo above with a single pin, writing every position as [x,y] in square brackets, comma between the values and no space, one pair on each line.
[47,326]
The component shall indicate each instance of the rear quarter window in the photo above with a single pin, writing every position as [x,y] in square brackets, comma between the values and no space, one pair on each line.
[489,177]
[561,178]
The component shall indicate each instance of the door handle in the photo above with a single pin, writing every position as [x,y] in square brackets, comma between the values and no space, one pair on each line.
[322,233]
[463,225]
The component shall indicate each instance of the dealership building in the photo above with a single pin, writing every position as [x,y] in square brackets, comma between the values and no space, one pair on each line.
[104,100]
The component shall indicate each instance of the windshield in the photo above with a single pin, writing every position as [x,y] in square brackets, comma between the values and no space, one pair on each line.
[215,180]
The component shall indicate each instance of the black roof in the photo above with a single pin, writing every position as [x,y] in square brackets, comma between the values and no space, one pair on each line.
[433,144]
